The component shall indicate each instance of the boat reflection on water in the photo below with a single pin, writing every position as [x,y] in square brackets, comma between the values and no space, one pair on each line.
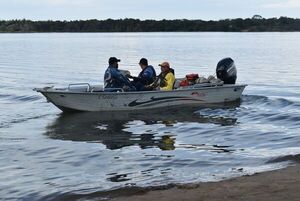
[111,128]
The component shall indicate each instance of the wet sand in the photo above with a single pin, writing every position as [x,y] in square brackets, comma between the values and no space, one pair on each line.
[278,185]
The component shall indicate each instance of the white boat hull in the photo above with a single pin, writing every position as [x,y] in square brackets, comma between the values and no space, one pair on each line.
[67,100]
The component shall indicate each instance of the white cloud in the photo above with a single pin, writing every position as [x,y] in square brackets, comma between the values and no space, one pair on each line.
[54,2]
[284,4]
[70,2]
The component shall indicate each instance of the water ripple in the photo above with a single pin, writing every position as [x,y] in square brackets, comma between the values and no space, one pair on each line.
[12,98]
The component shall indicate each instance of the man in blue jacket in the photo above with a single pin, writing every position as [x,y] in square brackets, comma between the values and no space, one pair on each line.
[146,76]
[113,78]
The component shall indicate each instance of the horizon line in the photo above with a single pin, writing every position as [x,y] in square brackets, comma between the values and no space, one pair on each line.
[191,19]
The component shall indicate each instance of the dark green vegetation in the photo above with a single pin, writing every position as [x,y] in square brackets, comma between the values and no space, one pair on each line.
[254,24]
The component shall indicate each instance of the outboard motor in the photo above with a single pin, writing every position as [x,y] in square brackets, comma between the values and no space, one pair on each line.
[226,71]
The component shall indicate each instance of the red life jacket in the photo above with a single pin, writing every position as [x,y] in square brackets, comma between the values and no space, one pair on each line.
[184,83]
[192,77]
[189,80]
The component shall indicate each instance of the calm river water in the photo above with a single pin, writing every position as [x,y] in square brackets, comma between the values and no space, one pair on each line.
[45,154]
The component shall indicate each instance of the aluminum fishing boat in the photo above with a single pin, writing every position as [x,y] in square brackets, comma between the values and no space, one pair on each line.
[86,97]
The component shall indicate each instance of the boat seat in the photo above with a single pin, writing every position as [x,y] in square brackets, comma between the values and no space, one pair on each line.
[97,88]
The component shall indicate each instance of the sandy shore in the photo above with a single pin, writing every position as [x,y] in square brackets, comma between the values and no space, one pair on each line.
[279,185]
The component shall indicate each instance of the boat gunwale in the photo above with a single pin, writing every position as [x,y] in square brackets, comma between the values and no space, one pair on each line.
[56,91]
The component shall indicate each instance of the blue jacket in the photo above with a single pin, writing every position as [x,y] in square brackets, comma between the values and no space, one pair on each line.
[113,78]
[147,76]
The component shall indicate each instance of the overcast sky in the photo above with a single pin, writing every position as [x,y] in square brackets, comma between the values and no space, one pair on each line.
[146,9]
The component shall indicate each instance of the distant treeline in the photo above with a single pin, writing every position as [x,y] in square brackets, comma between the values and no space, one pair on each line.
[254,24]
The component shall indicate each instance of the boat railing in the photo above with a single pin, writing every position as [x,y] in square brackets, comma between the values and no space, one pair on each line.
[113,90]
[200,85]
[77,86]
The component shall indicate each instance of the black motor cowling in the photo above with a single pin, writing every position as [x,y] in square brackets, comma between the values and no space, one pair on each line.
[226,71]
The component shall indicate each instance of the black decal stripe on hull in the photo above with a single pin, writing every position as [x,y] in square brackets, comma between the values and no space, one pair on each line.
[152,99]
[159,100]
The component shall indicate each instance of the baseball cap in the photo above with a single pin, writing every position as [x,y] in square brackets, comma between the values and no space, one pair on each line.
[113,60]
[165,64]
